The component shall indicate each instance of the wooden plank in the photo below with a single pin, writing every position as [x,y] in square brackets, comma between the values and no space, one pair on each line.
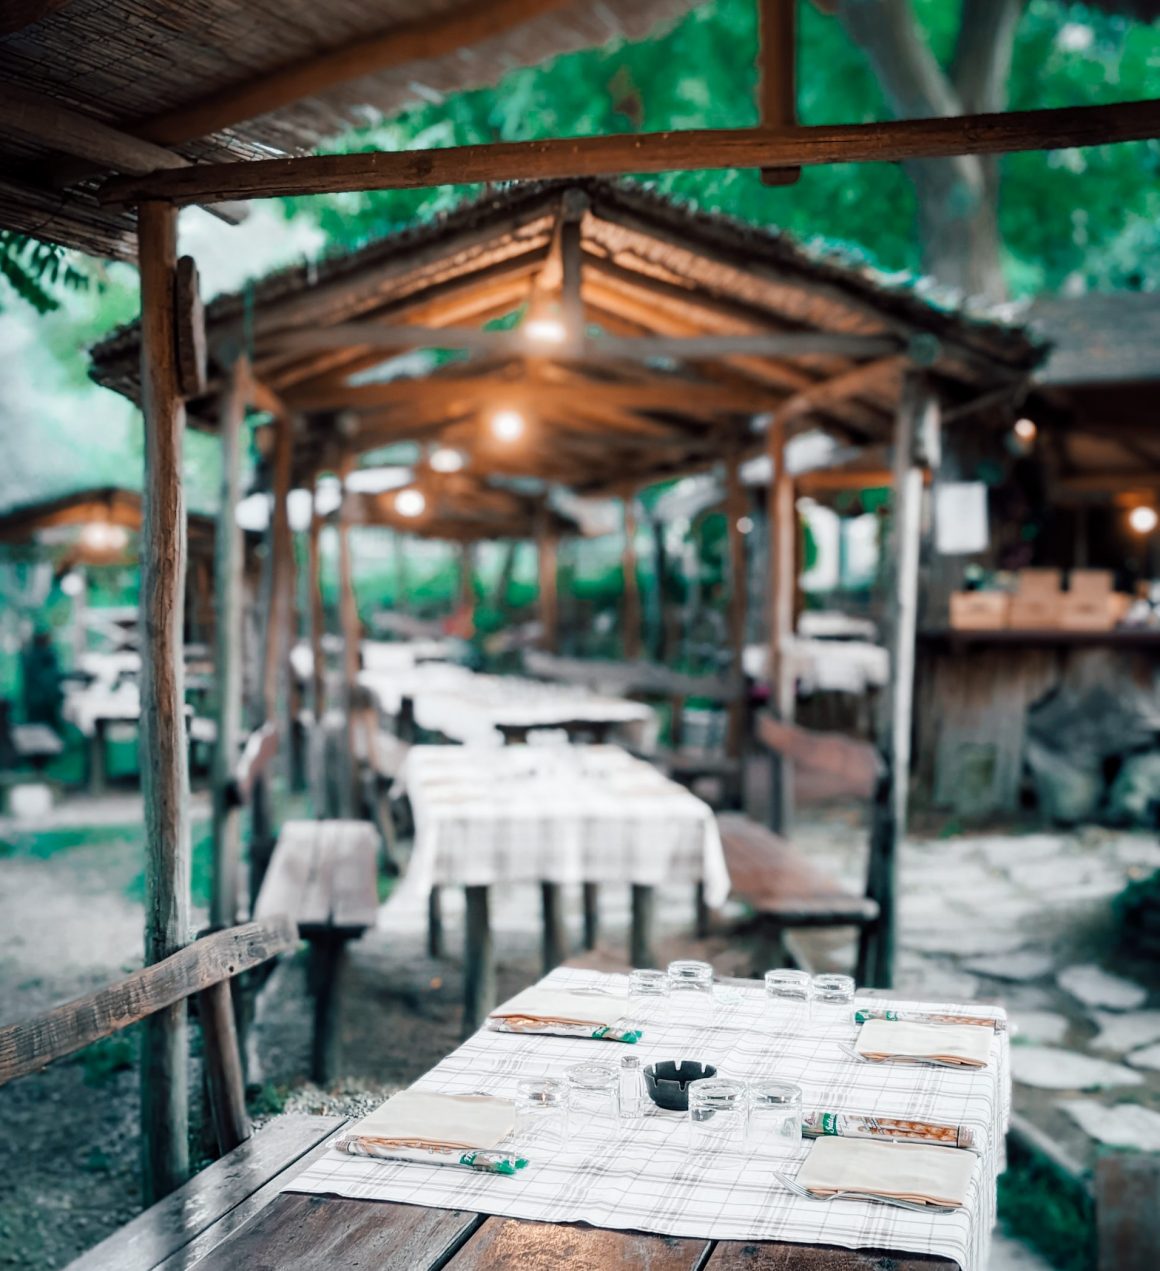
[228,655]
[511,1242]
[191,340]
[287,876]
[772,876]
[179,1230]
[736,1255]
[164,751]
[891,141]
[354,906]
[317,1233]
[316,841]
[29,1046]
[223,1067]
[479,961]
[777,76]
[853,766]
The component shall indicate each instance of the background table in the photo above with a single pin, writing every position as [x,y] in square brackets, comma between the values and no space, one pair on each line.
[553,815]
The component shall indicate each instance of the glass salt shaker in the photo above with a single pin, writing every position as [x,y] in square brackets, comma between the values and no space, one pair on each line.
[631,1088]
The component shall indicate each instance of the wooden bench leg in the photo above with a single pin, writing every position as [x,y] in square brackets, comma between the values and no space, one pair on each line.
[591,915]
[643,905]
[553,909]
[479,961]
[435,944]
[223,1068]
[97,776]
[327,970]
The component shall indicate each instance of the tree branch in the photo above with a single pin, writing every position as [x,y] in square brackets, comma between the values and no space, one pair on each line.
[982,58]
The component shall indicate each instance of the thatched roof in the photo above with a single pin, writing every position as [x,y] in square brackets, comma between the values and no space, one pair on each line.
[200,79]
[647,267]
[106,505]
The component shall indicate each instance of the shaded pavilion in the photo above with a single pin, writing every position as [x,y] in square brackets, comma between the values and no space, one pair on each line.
[224,96]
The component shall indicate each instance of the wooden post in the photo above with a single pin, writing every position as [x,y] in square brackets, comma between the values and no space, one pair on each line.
[281,544]
[916,426]
[553,914]
[547,552]
[571,265]
[479,961]
[777,76]
[164,756]
[348,622]
[631,611]
[591,915]
[223,1068]
[317,613]
[641,937]
[466,598]
[227,848]
[782,581]
[736,506]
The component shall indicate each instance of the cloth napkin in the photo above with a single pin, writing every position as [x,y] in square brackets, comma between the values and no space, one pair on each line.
[962,1044]
[541,1009]
[918,1172]
[442,1129]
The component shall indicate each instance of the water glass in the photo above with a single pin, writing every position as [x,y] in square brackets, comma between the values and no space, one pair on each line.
[541,1115]
[717,1116]
[686,975]
[648,983]
[788,992]
[833,1001]
[593,1094]
[775,1117]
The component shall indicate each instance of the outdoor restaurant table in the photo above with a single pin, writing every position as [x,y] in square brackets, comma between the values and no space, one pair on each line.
[621,1179]
[554,815]
[465,706]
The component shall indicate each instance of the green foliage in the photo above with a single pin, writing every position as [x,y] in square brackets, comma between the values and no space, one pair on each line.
[34,270]
[266,1101]
[1049,1211]
[104,1059]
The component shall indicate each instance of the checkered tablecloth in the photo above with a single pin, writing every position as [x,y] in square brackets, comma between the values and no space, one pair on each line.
[557,814]
[641,1176]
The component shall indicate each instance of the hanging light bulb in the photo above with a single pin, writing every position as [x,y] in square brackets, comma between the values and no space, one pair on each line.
[410,502]
[545,329]
[1143,519]
[507,425]
[447,459]
[1026,430]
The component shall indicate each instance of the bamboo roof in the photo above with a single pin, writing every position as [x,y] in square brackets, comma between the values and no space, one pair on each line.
[703,294]
[104,505]
[241,79]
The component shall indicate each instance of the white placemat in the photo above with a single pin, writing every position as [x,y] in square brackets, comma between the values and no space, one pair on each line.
[641,1176]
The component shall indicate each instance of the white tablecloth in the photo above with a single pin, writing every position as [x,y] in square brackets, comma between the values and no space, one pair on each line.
[468,707]
[559,814]
[84,706]
[641,1176]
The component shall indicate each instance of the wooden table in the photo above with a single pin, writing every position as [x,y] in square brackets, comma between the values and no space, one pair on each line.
[234,1214]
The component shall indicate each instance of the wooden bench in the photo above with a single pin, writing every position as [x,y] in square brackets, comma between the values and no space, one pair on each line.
[203,971]
[778,881]
[324,875]
[34,744]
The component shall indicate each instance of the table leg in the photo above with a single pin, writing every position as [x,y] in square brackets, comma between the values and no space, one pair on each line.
[97,776]
[326,974]
[643,904]
[591,914]
[553,906]
[702,911]
[435,946]
[479,962]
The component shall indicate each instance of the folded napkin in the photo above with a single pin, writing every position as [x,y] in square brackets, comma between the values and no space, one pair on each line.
[917,1172]
[963,1044]
[541,1009]
[440,1129]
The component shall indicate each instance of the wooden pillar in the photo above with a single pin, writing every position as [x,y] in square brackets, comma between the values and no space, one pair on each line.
[349,625]
[228,567]
[571,266]
[736,507]
[281,545]
[547,550]
[630,615]
[466,599]
[916,433]
[317,612]
[777,75]
[164,755]
[782,581]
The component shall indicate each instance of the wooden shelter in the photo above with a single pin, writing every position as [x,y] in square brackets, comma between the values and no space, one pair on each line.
[166,97]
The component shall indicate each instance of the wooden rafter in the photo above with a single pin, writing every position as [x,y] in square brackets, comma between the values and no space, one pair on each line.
[692,150]
[17,14]
[777,75]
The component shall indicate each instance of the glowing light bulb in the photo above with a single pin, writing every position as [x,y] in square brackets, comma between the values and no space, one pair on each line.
[410,502]
[507,425]
[545,330]
[745,524]
[1025,429]
[447,459]
[1143,519]
[72,584]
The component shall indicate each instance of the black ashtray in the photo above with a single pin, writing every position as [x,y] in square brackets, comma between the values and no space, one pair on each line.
[668,1082]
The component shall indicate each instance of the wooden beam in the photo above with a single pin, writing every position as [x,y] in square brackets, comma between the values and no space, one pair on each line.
[893,141]
[422,39]
[777,75]
[736,507]
[630,614]
[828,393]
[164,753]
[783,532]
[228,656]
[571,267]
[31,1045]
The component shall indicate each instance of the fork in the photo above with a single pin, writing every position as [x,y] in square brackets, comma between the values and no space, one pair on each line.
[914,1206]
[901,1059]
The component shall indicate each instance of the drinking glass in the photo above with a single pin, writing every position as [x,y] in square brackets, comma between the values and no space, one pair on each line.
[833,1002]
[775,1117]
[648,983]
[686,975]
[788,992]
[541,1115]
[717,1117]
[593,1094]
